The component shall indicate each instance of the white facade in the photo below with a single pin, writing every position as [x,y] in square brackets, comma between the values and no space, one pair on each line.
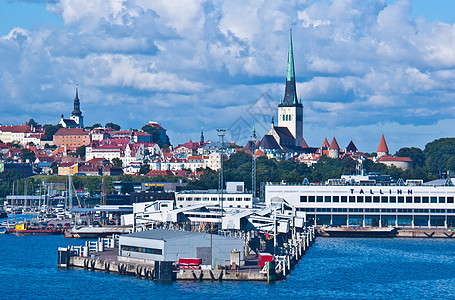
[369,205]
[230,200]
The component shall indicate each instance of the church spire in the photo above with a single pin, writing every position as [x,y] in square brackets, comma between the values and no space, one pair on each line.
[76,111]
[202,135]
[290,94]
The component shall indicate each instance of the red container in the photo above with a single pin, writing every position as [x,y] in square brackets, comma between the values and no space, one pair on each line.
[190,261]
[263,258]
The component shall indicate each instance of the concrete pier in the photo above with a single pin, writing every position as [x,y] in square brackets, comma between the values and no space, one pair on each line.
[102,255]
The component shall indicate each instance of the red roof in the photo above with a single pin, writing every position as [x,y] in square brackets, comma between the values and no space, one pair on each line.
[383,146]
[325,144]
[393,158]
[22,128]
[259,152]
[159,173]
[304,144]
[156,125]
[334,145]
[72,131]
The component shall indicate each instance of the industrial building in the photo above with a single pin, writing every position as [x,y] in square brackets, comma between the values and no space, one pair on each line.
[171,245]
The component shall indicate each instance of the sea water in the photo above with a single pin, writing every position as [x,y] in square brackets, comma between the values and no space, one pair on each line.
[332,268]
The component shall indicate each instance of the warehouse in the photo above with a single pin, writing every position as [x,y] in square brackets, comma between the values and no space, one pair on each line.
[170,245]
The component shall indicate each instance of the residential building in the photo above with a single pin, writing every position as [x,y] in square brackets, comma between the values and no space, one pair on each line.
[72,137]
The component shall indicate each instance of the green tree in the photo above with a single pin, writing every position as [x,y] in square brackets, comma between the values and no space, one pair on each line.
[145,168]
[32,123]
[416,154]
[27,154]
[96,125]
[117,162]
[440,155]
[113,126]
[155,133]
[80,151]
[50,130]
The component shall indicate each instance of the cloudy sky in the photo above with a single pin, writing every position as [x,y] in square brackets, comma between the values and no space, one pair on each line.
[364,68]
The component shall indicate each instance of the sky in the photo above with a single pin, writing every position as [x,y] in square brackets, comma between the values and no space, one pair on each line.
[363,67]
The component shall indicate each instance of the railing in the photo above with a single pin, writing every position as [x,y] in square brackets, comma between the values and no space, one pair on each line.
[94,246]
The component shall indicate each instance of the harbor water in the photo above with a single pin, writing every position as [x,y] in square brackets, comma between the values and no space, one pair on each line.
[332,268]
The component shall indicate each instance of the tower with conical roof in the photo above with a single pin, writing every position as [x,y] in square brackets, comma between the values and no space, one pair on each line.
[76,114]
[334,149]
[382,148]
[290,110]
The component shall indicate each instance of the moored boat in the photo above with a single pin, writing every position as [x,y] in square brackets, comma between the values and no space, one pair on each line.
[355,231]
[25,229]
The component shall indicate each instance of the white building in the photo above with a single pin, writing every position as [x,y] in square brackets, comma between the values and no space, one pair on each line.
[369,204]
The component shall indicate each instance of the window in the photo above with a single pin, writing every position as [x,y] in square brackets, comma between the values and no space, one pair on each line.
[359,199]
[393,199]
[425,199]
[442,199]
[303,199]
[376,199]
[351,199]
[400,199]
[368,199]
[311,199]
[327,199]
[408,199]
[449,199]
[416,199]
[319,198]
[434,199]
[336,198]
[142,249]
[384,199]
[344,199]
[230,199]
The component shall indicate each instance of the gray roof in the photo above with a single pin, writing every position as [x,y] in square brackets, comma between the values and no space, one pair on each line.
[163,234]
[269,142]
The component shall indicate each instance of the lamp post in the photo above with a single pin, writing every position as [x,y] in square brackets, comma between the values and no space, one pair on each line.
[221,134]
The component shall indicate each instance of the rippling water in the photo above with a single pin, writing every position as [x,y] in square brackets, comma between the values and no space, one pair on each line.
[332,268]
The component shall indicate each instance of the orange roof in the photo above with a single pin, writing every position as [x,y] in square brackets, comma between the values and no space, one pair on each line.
[383,146]
[72,131]
[334,145]
[325,143]
[259,152]
[304,144]
[392,158]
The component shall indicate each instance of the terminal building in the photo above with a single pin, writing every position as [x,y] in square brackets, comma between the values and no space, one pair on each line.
[172,245]
[366,203]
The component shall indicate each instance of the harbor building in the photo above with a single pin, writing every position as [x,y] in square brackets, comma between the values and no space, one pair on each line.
[234,197]
[368,203]
[172,245]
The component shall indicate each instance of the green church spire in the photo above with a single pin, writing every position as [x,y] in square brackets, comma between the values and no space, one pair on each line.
[290,94]
[290,75]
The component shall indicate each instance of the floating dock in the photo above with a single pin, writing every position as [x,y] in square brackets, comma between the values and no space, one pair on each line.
[103,255]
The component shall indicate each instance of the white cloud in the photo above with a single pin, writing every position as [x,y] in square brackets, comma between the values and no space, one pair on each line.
[188,64]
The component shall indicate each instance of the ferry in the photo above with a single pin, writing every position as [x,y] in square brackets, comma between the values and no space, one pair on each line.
[25,229]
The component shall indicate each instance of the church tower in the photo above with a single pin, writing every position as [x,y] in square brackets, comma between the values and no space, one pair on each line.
[76,114]
[290,110]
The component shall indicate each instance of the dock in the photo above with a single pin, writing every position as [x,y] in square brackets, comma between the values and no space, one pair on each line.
[103,255]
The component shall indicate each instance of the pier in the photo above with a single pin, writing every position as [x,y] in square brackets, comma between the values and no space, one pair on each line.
[104,255]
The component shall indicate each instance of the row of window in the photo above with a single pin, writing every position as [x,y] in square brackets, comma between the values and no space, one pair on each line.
[376,199]
[212,199]
[142,250]
[377,210]
[287,117]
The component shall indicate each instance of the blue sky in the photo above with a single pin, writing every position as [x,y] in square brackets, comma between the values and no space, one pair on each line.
[364,68]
